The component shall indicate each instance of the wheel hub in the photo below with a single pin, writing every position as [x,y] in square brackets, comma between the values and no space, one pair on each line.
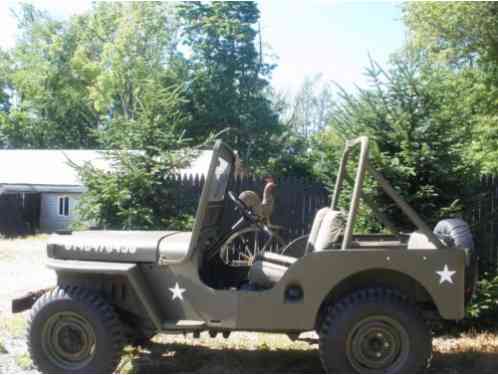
[68,340]
[376,344]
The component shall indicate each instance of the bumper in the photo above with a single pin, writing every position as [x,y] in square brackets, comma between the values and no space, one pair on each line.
[27,301]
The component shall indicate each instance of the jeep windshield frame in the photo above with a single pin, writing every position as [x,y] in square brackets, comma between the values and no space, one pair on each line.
[221,170]
[362,167]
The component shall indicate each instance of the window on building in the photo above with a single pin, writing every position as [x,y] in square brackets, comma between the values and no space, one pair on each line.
[63,206]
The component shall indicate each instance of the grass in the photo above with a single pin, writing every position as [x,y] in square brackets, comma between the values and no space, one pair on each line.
[467,352]
[13,325]
[2,348]
[24,361]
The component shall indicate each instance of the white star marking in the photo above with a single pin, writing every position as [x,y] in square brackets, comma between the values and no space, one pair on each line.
[177,292]
[446,275]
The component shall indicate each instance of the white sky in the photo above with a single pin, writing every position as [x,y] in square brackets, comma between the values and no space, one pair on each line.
[331,38]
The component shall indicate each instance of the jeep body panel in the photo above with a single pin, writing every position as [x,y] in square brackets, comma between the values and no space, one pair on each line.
[319,274]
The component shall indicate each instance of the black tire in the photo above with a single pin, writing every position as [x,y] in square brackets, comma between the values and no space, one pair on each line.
[73,330]
[374,330]
[455,232]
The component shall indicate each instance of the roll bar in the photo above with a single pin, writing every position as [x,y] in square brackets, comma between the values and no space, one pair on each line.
[363,166]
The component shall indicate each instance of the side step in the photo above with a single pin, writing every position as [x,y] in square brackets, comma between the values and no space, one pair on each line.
[184,325]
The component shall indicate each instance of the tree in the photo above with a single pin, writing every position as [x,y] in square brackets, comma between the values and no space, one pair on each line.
[226,78]
[125,52]
[418,134]
[137,193]
[311,108]
[48,103]
[122,48]
[303,116]
[462,37]
[4,84]
[460,33]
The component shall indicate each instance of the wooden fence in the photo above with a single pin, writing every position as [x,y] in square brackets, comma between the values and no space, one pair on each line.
[481,212]
[296,200]
[19,214]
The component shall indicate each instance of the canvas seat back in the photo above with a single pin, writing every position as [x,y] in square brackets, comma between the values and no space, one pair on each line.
[327,227]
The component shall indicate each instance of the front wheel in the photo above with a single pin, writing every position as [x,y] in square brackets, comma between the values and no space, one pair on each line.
[72,330]
[374,331]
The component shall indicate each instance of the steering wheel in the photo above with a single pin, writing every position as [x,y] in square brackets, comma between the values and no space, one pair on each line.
[246,212]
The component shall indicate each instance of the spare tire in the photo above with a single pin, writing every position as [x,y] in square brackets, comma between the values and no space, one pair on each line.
[457,233]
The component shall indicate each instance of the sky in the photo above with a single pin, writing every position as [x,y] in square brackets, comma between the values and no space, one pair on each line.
[304,38]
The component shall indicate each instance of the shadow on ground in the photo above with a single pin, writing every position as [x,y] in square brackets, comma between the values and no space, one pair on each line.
[464,362]
[185,358]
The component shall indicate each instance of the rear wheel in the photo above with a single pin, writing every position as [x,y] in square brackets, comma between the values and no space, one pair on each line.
[372,331]
[72,330]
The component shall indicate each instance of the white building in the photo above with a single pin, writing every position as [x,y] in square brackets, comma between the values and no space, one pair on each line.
[49,175]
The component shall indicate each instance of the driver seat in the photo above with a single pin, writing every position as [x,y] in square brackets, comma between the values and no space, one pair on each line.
[327,227]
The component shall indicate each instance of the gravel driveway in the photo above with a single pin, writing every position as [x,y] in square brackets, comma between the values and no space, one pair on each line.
[22,269]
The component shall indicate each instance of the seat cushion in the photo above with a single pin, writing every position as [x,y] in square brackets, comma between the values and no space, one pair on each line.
[268,269]
[264,274]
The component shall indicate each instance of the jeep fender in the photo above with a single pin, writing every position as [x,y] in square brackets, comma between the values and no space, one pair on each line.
[130,271]
[319,274]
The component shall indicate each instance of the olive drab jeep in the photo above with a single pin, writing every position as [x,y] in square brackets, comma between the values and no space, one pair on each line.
[369,297]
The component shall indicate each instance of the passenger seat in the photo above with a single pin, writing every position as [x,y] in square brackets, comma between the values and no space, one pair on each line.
[327,227]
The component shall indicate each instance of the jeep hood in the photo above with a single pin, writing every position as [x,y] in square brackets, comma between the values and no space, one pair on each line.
[120,246]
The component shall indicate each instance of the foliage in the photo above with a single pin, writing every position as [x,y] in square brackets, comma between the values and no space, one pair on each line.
[292,158]
[48,105]
[136,193]
[461,36]
[459,33]
[123,49]
[484,305]
[302,115]
[311,108]
[417,134]
[227,79]
[4,84]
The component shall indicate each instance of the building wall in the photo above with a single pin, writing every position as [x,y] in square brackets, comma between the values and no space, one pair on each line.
[50,220]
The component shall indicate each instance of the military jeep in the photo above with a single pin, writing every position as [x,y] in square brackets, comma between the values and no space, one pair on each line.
[369,297]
